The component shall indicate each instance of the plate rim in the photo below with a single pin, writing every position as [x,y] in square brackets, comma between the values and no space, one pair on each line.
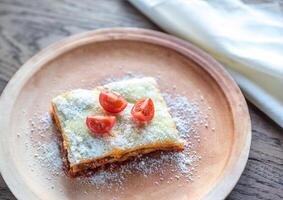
[12,89]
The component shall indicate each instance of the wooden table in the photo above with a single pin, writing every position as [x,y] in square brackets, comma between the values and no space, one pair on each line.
[28,26]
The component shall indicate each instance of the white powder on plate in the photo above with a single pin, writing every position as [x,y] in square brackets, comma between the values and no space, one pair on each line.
[188,119]
[45,143]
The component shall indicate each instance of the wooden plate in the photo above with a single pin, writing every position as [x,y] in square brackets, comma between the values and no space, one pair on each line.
[82,61]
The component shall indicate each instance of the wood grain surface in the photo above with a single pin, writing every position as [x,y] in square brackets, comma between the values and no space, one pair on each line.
[28,26]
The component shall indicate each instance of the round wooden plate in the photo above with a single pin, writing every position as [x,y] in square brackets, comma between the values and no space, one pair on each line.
[82,61]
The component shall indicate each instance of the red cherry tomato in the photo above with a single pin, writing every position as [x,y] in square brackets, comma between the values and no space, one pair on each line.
[112,102]
[100,124]
[143,110]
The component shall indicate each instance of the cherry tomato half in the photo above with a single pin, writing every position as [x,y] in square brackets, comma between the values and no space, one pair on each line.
[143,110]
[112,102]
[100,124]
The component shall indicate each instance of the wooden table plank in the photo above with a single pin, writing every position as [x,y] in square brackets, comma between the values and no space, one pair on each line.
[28,26]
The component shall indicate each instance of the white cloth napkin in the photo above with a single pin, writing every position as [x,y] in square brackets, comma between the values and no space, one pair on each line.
[247,40]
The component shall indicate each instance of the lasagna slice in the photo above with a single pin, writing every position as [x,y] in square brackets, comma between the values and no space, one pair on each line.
[82,152]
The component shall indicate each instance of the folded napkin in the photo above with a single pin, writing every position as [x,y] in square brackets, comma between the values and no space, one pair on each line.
[246,39]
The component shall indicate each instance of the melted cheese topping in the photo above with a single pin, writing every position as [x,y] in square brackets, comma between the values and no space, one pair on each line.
[74,106]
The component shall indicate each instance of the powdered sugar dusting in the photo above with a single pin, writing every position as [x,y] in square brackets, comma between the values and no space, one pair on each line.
[45,143]
[168,166]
